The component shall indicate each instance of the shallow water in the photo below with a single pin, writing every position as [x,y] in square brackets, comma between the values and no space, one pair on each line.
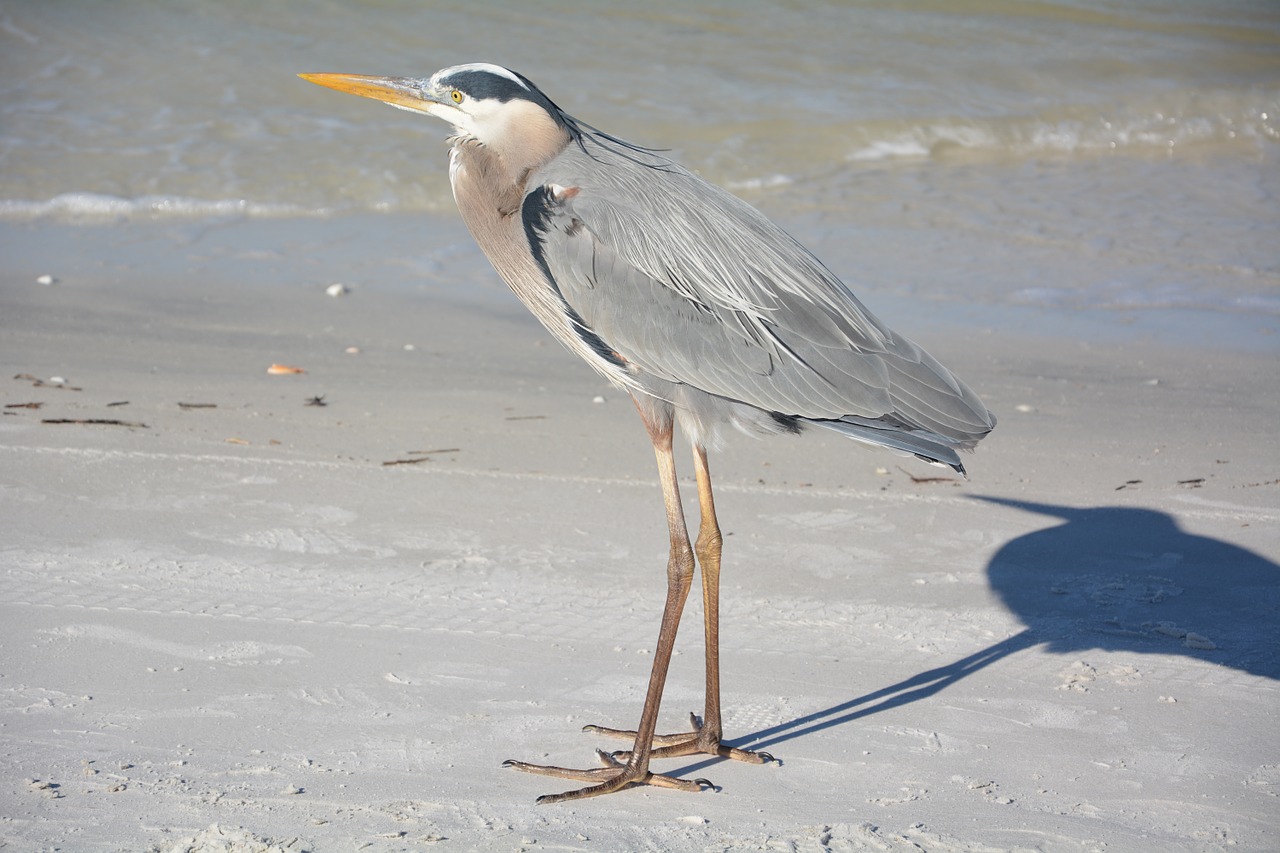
[1069,156]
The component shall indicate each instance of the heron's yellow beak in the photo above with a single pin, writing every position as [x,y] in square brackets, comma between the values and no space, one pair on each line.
[400,92]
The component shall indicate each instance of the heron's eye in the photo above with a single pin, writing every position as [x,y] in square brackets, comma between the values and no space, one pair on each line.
[456,95]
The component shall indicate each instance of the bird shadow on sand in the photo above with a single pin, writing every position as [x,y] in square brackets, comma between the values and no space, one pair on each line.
[1104,578]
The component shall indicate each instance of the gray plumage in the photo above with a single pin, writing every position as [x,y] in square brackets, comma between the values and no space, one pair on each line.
[701,308]
[715,309]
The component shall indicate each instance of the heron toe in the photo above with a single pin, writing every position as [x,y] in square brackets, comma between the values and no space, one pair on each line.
[613,776]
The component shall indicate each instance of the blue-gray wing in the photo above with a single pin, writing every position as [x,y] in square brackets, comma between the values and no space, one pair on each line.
[684,281]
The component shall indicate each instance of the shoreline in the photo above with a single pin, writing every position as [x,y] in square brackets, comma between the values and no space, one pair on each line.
[432,255]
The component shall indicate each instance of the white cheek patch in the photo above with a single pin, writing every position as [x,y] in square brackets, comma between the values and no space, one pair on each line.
[486,120]
[463,123]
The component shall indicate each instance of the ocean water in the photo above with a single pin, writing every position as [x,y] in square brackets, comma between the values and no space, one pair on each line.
[1077,156]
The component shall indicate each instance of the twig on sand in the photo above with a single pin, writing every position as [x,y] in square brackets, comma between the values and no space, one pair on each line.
[94,422]
[423,456]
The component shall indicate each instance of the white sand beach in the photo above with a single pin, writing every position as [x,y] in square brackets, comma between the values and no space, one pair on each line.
[230,610]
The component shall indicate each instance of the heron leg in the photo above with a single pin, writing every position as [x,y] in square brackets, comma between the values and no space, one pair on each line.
[705,734]
[632,768]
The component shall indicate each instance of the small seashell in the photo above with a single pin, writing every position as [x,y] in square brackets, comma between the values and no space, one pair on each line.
[352,350]
[45,280]
[337,289]
[283,369]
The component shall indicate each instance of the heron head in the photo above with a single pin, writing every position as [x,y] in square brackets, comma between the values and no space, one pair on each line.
[485,102]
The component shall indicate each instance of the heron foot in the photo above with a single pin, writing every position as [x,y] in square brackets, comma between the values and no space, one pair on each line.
[699,741]
[614,775]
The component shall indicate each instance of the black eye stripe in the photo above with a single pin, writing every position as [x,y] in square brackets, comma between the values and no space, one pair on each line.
[482,85]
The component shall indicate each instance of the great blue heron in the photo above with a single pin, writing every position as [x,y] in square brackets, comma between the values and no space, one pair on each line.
[706,312]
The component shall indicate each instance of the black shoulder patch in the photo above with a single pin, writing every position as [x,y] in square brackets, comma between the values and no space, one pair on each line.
[535,213]
[787,423]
